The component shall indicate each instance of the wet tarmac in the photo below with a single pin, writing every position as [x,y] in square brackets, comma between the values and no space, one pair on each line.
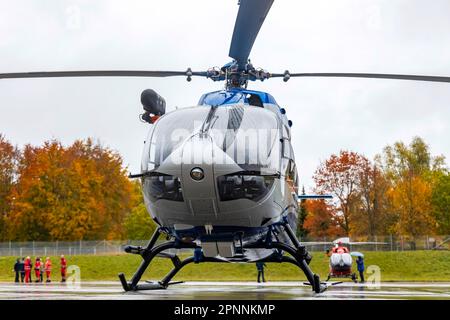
[225,291]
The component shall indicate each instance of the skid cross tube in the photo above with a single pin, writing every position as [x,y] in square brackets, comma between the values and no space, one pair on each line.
[166,280]
[299,257]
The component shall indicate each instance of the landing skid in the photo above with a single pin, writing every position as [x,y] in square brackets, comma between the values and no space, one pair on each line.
[351,276]
[299,257]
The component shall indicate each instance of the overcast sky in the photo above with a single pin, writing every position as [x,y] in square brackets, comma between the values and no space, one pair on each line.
[364,115]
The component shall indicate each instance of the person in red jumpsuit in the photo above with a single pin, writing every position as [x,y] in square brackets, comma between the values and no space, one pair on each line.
[27,270]
[339,248]
[37,269]
[63,268]
[48,269]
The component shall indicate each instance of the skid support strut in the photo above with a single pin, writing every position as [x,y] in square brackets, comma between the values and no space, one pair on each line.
[300,257]
[304,258]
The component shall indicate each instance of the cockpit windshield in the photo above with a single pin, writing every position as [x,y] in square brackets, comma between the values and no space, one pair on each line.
[171,130]
[248,135]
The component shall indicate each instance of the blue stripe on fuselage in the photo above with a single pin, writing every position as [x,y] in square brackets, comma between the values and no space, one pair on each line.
[233,96]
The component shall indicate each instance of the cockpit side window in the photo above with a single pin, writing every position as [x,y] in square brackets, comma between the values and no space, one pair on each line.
[291,176]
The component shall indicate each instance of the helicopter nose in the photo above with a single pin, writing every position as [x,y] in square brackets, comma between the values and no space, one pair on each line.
[198,176]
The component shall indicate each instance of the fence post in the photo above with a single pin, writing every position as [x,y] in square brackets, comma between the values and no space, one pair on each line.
[391,241]
[33,249]
[376,245]
[104,246]
[80,246]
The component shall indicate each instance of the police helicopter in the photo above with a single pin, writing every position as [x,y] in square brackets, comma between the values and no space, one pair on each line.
[220,178]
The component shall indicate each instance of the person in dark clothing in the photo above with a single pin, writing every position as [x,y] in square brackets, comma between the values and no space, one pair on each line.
[360,263]
[22,269]
[260,267]
[42,271]
[17,270]
[31,273]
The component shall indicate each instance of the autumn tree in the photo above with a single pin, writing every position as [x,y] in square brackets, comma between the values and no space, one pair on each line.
[70,193]
[440,201]
[401,161]
[411,170]
[321,220]
[411,203]
[8,167]
[370,216]
[340,176]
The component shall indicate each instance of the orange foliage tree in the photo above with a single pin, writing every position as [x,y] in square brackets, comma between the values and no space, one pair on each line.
[70,193]
[8,167]
[412,172]
[321,220]
[340,176]
[371,216]
[411,203]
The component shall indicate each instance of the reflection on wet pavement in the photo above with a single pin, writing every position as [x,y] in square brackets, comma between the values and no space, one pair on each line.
[227,290]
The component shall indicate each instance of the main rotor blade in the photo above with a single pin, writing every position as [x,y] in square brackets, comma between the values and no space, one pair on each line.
[100,73]
[249,20]
[286,76]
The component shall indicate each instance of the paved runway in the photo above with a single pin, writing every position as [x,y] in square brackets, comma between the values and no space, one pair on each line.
[226,290]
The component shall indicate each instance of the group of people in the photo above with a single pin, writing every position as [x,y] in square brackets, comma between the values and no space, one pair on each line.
[23,269]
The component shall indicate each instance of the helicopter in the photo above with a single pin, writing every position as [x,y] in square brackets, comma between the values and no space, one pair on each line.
[340,257]
[220,178]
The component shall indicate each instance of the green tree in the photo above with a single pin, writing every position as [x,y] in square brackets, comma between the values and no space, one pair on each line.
[302,213]
[411,170]
[440,201]
[401,161]
[138,224]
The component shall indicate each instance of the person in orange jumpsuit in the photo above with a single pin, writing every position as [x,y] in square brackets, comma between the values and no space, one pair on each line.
[63,268]
[48,269]
[37,269]
[27,270]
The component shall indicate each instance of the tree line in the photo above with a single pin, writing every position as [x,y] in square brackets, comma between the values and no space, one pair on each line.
[82,192]
[403,191]
[77,192]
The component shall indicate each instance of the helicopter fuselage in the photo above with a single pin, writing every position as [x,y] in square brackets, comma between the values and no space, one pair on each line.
[221,172]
